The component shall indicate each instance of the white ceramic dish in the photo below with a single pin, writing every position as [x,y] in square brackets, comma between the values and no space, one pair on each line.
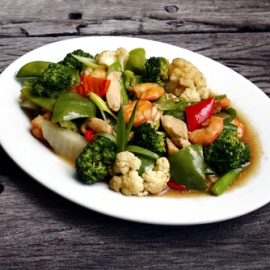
[52,172]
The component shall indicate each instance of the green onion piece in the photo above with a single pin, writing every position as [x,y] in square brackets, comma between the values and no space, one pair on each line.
[178,103]
[89,62]
[220,97]
[131,120]
[101,104]
[142,151]
[230,126]
[232,114]
[225,181]
[121,138]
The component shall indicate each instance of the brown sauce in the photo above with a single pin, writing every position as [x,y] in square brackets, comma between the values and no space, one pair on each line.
[251,138]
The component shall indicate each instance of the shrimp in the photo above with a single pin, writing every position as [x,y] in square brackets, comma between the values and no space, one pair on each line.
[208,134]
[148,91]
[143,112]
[220,104]
[240,128]
[36,125]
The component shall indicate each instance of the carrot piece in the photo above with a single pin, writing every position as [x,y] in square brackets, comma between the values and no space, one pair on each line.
[92,84]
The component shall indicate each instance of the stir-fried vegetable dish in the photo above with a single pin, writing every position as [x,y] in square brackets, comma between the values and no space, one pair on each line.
[143,124]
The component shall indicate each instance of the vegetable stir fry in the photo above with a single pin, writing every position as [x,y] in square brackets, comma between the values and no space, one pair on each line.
[142,124]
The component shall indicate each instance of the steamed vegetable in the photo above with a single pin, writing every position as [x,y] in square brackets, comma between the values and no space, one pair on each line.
[64,142]
[187,167]
[227,152]
[71,106]
[55,79]
[147,137]
[92,163]
[225,181]
[156,70]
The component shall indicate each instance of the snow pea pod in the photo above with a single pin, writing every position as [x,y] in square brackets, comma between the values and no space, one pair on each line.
[69,106]
[43,102]
[32,69]
[146,163]
[187,167]
[225,181]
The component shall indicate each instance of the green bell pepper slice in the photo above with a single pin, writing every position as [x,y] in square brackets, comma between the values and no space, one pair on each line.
[187,167]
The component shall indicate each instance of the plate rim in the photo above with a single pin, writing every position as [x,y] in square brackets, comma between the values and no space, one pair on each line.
[9,150]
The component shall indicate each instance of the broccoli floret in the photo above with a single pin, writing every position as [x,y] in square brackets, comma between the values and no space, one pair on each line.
[72,62]
[227,152]
[156,70]
[92,163]
[149,138]
[55,79]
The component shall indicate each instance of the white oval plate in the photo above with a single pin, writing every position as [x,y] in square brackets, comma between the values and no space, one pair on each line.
[55,174]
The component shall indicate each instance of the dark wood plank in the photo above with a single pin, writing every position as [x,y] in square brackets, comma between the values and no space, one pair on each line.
[35,18]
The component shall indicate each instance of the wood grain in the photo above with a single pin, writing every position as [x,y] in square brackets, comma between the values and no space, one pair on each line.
[41,230]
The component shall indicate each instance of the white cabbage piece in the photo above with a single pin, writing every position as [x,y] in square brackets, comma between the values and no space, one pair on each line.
[66,143]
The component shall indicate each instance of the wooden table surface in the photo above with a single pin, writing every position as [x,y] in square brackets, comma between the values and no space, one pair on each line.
[41,230]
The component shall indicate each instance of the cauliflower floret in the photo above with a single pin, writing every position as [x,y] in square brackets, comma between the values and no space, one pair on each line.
[107,58]
[122,56]
[163,165]
[125,162]
[184,76]
[131,183]
[191,95]
[156,180]
[204,93]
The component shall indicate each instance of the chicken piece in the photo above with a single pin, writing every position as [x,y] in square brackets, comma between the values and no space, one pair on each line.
[171,147]
[97,125]
[176,129]
[113,95]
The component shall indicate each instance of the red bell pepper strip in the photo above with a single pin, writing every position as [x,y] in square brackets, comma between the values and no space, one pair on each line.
[198,113]
[90,135]
[92,84]
[176,186]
